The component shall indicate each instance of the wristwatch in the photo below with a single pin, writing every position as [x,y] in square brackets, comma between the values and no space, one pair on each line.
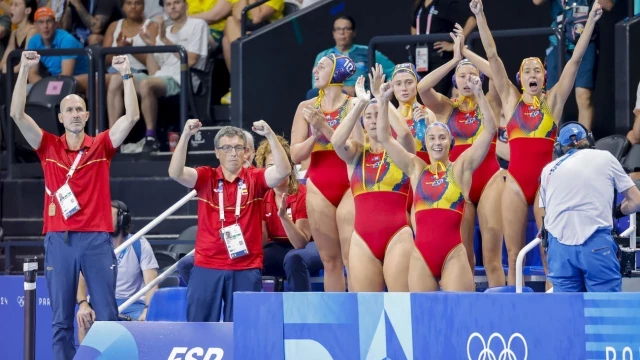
[127,76]
[85,301]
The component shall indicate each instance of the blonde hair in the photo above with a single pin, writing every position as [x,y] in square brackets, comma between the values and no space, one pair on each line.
[261,157]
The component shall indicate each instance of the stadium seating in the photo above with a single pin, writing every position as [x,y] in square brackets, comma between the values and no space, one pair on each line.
[617,145]
[168,304]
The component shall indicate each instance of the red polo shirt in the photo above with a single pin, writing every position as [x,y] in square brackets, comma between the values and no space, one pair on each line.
[297,204]
[211,251]
[89,183]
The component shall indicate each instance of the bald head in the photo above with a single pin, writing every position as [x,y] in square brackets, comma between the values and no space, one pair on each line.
[75,99]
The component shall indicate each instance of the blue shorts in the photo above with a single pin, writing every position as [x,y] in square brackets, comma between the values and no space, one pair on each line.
[592,266]
[587,72]
[134,310]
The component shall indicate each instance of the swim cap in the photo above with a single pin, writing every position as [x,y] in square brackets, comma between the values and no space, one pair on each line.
[443,125]
[343,68]
[406,68]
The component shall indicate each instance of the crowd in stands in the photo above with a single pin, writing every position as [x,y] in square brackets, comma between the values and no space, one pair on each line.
[204,28]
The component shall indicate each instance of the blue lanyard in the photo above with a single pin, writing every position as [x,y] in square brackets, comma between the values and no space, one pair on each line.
[557,165]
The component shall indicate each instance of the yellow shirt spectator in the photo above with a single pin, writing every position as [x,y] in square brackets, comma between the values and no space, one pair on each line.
[277,5]
[200,6]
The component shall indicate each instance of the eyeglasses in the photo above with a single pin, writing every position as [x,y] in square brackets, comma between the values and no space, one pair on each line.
[346,29]
[227,148]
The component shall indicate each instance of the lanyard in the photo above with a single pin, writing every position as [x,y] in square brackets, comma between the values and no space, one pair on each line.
[364,179]
[429,17]
[71,171]
[221,200]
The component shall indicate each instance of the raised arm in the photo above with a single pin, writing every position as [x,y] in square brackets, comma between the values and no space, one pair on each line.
[503,85]
[177,170]
[474,155]
[274,175]
[347,148]
[560,92]
[298,233]
[123,126]
[28,127]
[406,161]
[433,100]
[398,123]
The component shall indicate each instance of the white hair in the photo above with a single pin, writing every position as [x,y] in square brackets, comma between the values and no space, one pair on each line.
[251,144]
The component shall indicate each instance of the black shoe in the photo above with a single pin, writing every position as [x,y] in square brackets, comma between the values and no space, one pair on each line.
[150,145]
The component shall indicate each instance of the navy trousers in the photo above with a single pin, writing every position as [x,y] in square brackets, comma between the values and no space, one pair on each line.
[209,288]
[66,254]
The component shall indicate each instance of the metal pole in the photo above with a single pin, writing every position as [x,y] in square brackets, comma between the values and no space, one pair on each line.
[30,268]
[92,93]
[155,222]
[150,285]
[102,99]
[184,87]
[520,262]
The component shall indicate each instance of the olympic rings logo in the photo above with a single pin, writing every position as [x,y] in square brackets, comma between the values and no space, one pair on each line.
[505,354]
[20,300]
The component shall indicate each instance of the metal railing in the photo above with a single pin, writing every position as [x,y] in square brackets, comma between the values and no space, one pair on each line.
[431,38]
[184,75]
[245,16]
[86,51]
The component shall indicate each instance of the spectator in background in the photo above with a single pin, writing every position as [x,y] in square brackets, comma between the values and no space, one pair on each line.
[634,134]
[344,31]
[22,15]
[286,233]
[164,68]
[128,32]
[575,17]
[250,153]
[439,16]
[215,13]
[50,37]
[5,33]
[259,17]
[137,267]
[87,20]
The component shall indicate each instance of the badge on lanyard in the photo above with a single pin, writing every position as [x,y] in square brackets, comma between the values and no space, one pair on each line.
[232,235]
[67,200]
[422,52]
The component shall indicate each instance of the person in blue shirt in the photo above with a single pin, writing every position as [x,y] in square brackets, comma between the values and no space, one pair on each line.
[344,31]
[50,37]
[575,14]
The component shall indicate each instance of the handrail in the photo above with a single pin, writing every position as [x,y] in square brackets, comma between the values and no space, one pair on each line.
[155,221]
[124,50]
[245,16]
[520,261]
[151,285]
[86,51]
[430,38]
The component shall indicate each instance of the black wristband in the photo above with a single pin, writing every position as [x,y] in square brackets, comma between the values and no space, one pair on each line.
[85,301]
[617,213]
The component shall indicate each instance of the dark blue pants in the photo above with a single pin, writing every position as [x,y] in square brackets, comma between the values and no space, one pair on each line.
[299,263]
[208,288]
[66,254]
[184,267]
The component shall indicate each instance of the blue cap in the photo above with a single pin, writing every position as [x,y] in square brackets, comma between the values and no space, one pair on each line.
[564,138]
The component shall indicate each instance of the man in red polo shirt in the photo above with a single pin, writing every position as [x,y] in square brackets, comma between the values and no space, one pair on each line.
[77,202]
[228,256]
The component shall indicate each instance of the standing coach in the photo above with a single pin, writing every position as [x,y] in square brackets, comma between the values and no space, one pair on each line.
[577,193]
[77,204]
[228,256]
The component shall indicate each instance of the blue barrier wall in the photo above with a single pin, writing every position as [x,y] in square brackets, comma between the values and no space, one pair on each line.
[437,326]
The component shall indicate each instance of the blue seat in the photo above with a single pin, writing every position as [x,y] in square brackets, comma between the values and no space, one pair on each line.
[508,289]
[168,304]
